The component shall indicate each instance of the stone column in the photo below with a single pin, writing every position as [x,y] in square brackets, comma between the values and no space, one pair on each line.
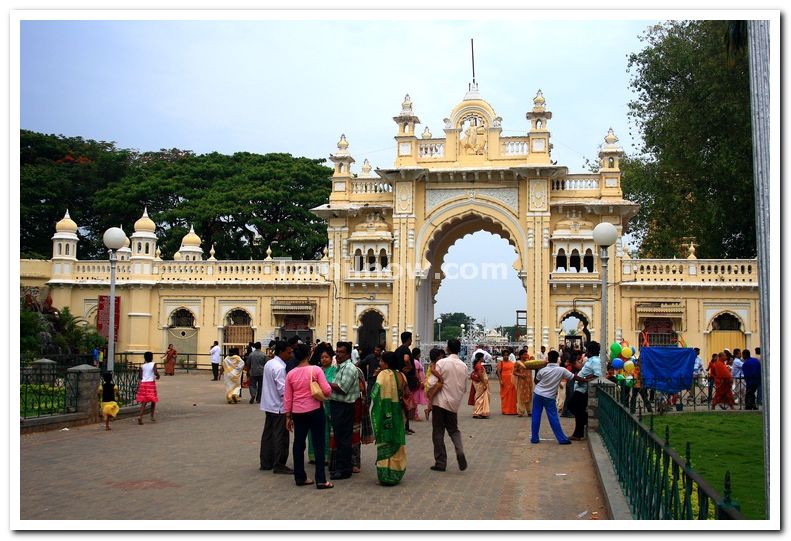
[43,372]
[593,401]
[82,384]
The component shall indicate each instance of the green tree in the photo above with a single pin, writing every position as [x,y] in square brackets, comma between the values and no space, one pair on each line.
[693,177]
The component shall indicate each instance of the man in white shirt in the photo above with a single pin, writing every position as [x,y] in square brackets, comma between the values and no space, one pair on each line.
[542,356]
[738,375]
[445,407]
[487,357]
[215,360]
[274,439]
[545,396]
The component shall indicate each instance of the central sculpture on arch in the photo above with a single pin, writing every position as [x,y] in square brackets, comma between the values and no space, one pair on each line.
[390,227]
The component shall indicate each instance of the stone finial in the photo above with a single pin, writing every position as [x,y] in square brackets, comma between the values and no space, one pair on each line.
[426,133]
[366,169]
[159,254]
[343,145]
[324,254]
[211,253]
[610,138]
[268,253]
[539,100]
[447,123]
[691,250]
[406,106]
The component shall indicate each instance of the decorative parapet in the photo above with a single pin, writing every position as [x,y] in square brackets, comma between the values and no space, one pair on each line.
[371,186]
[696,272]
[211,272]
[573,183]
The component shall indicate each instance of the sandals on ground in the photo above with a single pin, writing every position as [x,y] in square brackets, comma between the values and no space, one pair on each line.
[305,483]
[323,486]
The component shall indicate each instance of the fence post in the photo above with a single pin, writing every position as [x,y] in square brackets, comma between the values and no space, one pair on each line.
[594,388]
[44,372]
[86,379]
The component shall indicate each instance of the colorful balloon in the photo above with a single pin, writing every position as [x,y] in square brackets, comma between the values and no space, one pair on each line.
[630,381]
[626,352]
[628,367]
[617,364]
[615,349]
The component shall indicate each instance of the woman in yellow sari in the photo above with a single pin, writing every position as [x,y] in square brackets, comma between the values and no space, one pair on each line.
[480,382]
[523,381]
[387,417]
[231,373]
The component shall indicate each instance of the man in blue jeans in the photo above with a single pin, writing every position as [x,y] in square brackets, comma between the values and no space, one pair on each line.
[545,396]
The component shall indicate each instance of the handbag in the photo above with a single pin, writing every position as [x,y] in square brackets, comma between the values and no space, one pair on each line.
[315,389]
[407,399]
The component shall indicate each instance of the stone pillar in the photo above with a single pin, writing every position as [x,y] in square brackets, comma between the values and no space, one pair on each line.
[593,401]
[82,385]
[43,372]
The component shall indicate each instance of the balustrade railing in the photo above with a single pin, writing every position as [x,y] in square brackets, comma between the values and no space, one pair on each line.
[514,146]
[372,185]
[691,270]
[431,149]
[569,183]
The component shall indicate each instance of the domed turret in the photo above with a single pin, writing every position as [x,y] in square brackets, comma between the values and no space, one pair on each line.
[191,239]
[190,246]
[145,224]
[66,224]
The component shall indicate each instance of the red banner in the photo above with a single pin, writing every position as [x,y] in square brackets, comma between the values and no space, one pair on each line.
[103,319]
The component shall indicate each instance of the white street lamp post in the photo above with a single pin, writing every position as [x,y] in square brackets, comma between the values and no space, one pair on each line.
[114,239]
[604,235]
[439,323]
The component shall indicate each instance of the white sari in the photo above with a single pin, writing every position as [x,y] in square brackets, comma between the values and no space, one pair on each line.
[232,367]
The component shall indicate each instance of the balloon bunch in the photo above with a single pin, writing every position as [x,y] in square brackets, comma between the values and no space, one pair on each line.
[622,357]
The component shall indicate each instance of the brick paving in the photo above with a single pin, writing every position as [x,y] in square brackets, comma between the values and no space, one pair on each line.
[202,450]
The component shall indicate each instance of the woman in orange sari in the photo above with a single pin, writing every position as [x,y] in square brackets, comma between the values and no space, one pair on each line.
[170,360]
[505,371]
[523,380]
[723,380]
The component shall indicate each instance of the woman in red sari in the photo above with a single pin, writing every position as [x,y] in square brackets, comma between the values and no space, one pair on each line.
[505,370]
[723,380]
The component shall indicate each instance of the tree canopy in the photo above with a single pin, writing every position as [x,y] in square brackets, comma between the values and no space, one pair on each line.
[693,178]
[241,203]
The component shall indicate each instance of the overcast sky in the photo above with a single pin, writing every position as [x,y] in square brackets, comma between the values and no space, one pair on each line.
[295,86]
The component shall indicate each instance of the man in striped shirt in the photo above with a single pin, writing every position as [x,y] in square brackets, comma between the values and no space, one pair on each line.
[345,391]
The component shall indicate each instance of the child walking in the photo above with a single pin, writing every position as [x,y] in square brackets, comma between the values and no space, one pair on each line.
[147,390]
[434,380]
[108,396]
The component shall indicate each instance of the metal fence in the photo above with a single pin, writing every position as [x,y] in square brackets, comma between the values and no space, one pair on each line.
[697,397]
[658,483]
[126,377]
[47,393]
[184,361]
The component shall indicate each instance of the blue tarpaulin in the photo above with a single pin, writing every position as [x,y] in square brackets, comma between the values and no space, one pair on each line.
[667,369]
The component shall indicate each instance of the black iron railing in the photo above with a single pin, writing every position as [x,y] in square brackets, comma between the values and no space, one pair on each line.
[658,483]
[47,393]
[696,397]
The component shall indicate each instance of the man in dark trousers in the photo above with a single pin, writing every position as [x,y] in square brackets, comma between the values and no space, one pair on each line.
[369,365]
[257,361]
[274,439]
[345,391]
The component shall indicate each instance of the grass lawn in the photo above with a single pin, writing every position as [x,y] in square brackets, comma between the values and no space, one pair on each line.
[720,442]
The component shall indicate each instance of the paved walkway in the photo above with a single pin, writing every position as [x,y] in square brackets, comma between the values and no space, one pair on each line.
[202,450]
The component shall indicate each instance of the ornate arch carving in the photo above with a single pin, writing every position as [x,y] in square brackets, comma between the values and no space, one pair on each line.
[729,312]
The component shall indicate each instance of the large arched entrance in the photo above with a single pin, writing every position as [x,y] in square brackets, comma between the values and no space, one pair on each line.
[458,221]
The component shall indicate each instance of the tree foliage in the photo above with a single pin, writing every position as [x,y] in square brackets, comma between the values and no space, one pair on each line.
[241,203]
[694,177]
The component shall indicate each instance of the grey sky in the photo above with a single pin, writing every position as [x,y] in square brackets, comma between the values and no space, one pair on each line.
[295,86]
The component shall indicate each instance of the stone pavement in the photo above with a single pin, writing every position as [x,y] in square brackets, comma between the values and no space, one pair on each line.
[202,451]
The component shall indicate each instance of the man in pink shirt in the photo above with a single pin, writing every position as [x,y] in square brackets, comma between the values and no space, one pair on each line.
[445,407]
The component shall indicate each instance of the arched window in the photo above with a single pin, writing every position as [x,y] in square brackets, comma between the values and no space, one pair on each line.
[371,260]
[383,259]
[574,260]
[146,247]
[182,318]
[60,248]
[611,163]
[726,322]
[358,260]
[237,318]
[67,248]
[560,261]
[587,261]
[139,247]
[539,124]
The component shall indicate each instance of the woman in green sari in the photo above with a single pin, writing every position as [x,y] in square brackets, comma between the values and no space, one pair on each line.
[387,417]
[325,361]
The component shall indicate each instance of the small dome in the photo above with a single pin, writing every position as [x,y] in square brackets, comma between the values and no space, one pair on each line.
[191,239]
[610,138]
[66,225]
[145,223]
[406,106]
[539,100]
[343,144]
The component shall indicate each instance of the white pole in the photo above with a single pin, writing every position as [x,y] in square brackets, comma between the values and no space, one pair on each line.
[603,353]
[111,332]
